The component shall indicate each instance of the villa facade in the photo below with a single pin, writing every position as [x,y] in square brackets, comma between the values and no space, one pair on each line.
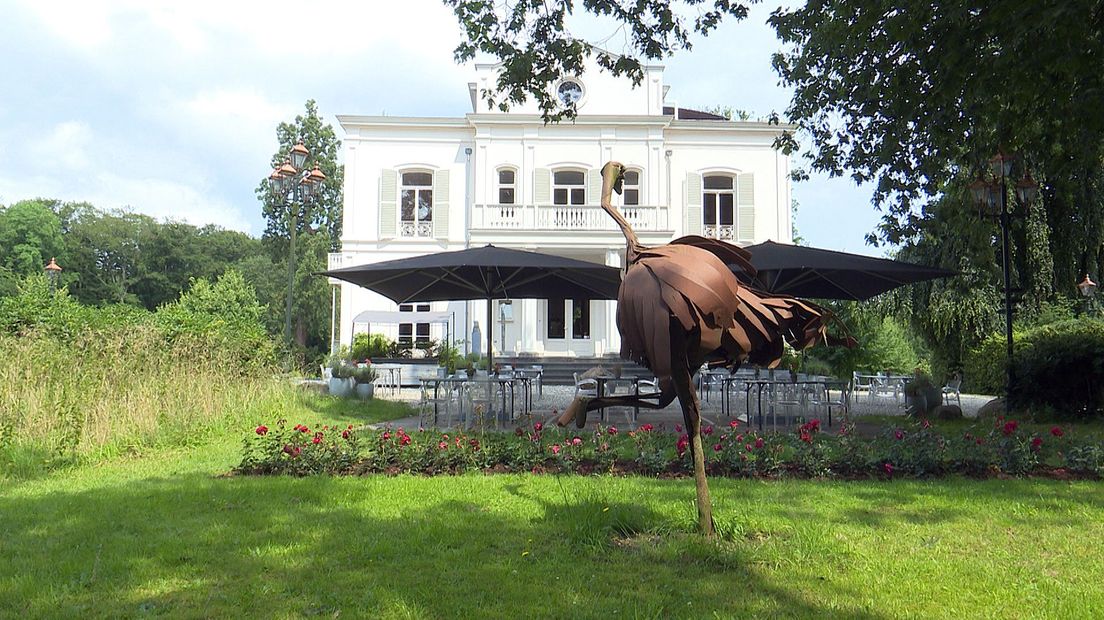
[420,185]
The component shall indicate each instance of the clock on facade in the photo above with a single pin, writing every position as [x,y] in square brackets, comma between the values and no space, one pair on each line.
[569,92]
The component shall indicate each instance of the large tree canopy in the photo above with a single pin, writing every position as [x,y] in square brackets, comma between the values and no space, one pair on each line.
[531,40]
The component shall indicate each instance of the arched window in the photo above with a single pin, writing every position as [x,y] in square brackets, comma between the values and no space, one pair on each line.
[416,216]
[718,200]
[568,187]
[630,193]
[507,186]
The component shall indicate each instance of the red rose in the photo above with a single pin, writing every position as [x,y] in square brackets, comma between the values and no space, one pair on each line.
[1057,431]
[718,448]
[443,445]
[899,434]
[888,468]
[758,442]
[385,436]
[555,448]
[576,441]
[612,430]
[647,428]
[734,423]
[262,430]
[316,439]
[681,445]
[345,434]
[806,437]
[404,440]
[707,430]
[747,447]
[1036,442]
[1009,428]
[538,427]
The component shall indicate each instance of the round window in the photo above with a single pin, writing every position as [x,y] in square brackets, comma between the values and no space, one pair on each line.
[569,92]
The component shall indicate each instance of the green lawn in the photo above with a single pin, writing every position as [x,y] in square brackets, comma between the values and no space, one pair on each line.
[166,534]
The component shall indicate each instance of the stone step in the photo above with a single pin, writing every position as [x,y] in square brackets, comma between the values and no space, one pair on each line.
[560,370]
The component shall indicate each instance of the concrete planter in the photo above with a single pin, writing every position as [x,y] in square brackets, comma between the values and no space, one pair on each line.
[340,387]
[365,391]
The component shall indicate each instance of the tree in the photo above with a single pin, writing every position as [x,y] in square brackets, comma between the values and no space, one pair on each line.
[287,220]
[30,235]
[531,39]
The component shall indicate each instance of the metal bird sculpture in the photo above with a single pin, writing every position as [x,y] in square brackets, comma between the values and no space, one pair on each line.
[680,306]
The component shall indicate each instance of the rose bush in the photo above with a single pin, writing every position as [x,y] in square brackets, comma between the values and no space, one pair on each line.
[913,450]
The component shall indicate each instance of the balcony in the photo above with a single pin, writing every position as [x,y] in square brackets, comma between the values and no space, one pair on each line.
[565,218]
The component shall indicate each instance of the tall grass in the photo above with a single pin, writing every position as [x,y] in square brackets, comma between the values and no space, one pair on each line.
[107,392]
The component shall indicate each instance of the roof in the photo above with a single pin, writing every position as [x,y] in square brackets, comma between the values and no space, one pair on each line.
[686,114]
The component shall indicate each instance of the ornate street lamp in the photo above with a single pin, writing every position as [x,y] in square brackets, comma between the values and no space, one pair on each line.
[1087,287]
[991,197]
[53,271]
[296,188]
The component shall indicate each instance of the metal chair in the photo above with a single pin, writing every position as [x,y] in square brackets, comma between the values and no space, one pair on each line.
[953,388]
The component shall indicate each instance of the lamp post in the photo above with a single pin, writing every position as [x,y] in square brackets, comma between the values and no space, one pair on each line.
[53,271]
[296,187]
[991,197]
[1088,291]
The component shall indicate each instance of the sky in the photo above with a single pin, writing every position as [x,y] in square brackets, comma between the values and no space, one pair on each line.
[170,109]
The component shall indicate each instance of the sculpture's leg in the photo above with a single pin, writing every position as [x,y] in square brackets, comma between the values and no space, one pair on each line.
[688,398]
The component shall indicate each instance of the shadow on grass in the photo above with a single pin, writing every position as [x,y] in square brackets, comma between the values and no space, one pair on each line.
[194,545]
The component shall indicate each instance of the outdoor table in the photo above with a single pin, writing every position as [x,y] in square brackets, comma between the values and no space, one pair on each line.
[760,384]
[527,376]
[503,414]
[450,383]
[394,376]
[602,380]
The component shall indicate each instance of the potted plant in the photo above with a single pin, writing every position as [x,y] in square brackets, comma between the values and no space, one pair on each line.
[341,382]
[921,394]
[363,376]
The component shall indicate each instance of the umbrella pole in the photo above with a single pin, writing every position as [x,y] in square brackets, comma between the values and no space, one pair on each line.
[490,339]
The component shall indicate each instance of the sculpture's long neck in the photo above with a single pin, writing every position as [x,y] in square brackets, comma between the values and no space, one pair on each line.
[633,246]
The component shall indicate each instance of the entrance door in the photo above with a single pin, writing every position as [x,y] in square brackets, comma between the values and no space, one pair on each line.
[568,327]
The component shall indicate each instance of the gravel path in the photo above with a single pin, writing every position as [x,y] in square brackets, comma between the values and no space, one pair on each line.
[556,398]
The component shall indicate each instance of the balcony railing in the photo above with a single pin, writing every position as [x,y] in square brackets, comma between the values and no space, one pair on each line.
[724,232]
[565,217]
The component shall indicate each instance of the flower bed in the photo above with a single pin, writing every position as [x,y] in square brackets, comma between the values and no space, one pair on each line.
[917,450]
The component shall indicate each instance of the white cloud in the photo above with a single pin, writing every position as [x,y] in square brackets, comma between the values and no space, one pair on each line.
[65,146]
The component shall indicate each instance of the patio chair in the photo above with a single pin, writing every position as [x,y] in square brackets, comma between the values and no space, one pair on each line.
[708,381]
[821,396]
[437,401]
[884,386]
[587,388]
[953,388]
[861,383]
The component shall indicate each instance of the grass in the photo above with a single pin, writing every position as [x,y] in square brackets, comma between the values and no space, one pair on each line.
[165,533]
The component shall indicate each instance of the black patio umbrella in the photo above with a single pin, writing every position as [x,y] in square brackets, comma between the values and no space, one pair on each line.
[827,274]
[487,273]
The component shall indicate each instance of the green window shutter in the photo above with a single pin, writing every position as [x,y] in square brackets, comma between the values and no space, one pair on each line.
[388,204]
[745,207]
[542,186]
[594,187]
[693,204]
[441,204]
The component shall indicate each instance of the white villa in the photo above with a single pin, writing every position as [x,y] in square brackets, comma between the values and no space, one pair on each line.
[420,185]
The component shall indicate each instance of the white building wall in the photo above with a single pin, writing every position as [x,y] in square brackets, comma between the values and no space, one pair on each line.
[616,122]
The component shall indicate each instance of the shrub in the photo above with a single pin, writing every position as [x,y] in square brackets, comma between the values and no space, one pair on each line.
[225,315]
[364,374]
[367,346]
[1059,367]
